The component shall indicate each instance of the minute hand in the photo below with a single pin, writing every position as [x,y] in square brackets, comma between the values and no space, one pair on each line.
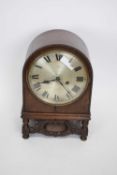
[64,87]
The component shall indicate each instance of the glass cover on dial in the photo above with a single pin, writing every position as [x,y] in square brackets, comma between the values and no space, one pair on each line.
[58,77]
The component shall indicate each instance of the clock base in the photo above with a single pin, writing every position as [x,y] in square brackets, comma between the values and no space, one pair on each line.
[55,127]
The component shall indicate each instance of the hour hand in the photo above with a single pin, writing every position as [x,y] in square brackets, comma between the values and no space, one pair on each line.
[47,81]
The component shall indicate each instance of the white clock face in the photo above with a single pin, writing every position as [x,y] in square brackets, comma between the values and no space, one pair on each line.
[57,77]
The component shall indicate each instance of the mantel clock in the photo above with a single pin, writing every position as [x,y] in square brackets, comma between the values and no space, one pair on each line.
[57,85]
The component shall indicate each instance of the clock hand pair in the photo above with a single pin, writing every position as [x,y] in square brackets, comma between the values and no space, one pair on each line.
[58,80]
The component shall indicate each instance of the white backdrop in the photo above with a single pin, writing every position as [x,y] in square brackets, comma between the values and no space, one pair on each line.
[95,21]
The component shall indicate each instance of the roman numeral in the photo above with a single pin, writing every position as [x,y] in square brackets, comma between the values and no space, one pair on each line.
[45,94]
[79,78]
[77,68]
[75,89]
[40,67]
[47,59]
[58,57]
[35,76]
[56,98]
[37,85]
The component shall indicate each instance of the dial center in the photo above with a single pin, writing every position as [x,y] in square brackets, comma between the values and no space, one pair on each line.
[57,78]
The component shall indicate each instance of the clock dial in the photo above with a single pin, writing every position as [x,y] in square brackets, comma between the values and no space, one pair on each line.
[57,77]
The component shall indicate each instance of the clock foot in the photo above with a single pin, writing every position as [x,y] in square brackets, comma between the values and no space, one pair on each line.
[25,128]
[84,130]
[25,136]
[83,137]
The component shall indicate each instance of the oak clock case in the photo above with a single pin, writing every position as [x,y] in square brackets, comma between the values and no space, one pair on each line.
[57,85]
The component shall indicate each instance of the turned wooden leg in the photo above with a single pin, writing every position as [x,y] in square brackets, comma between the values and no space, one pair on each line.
[25,128]
[84,130]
